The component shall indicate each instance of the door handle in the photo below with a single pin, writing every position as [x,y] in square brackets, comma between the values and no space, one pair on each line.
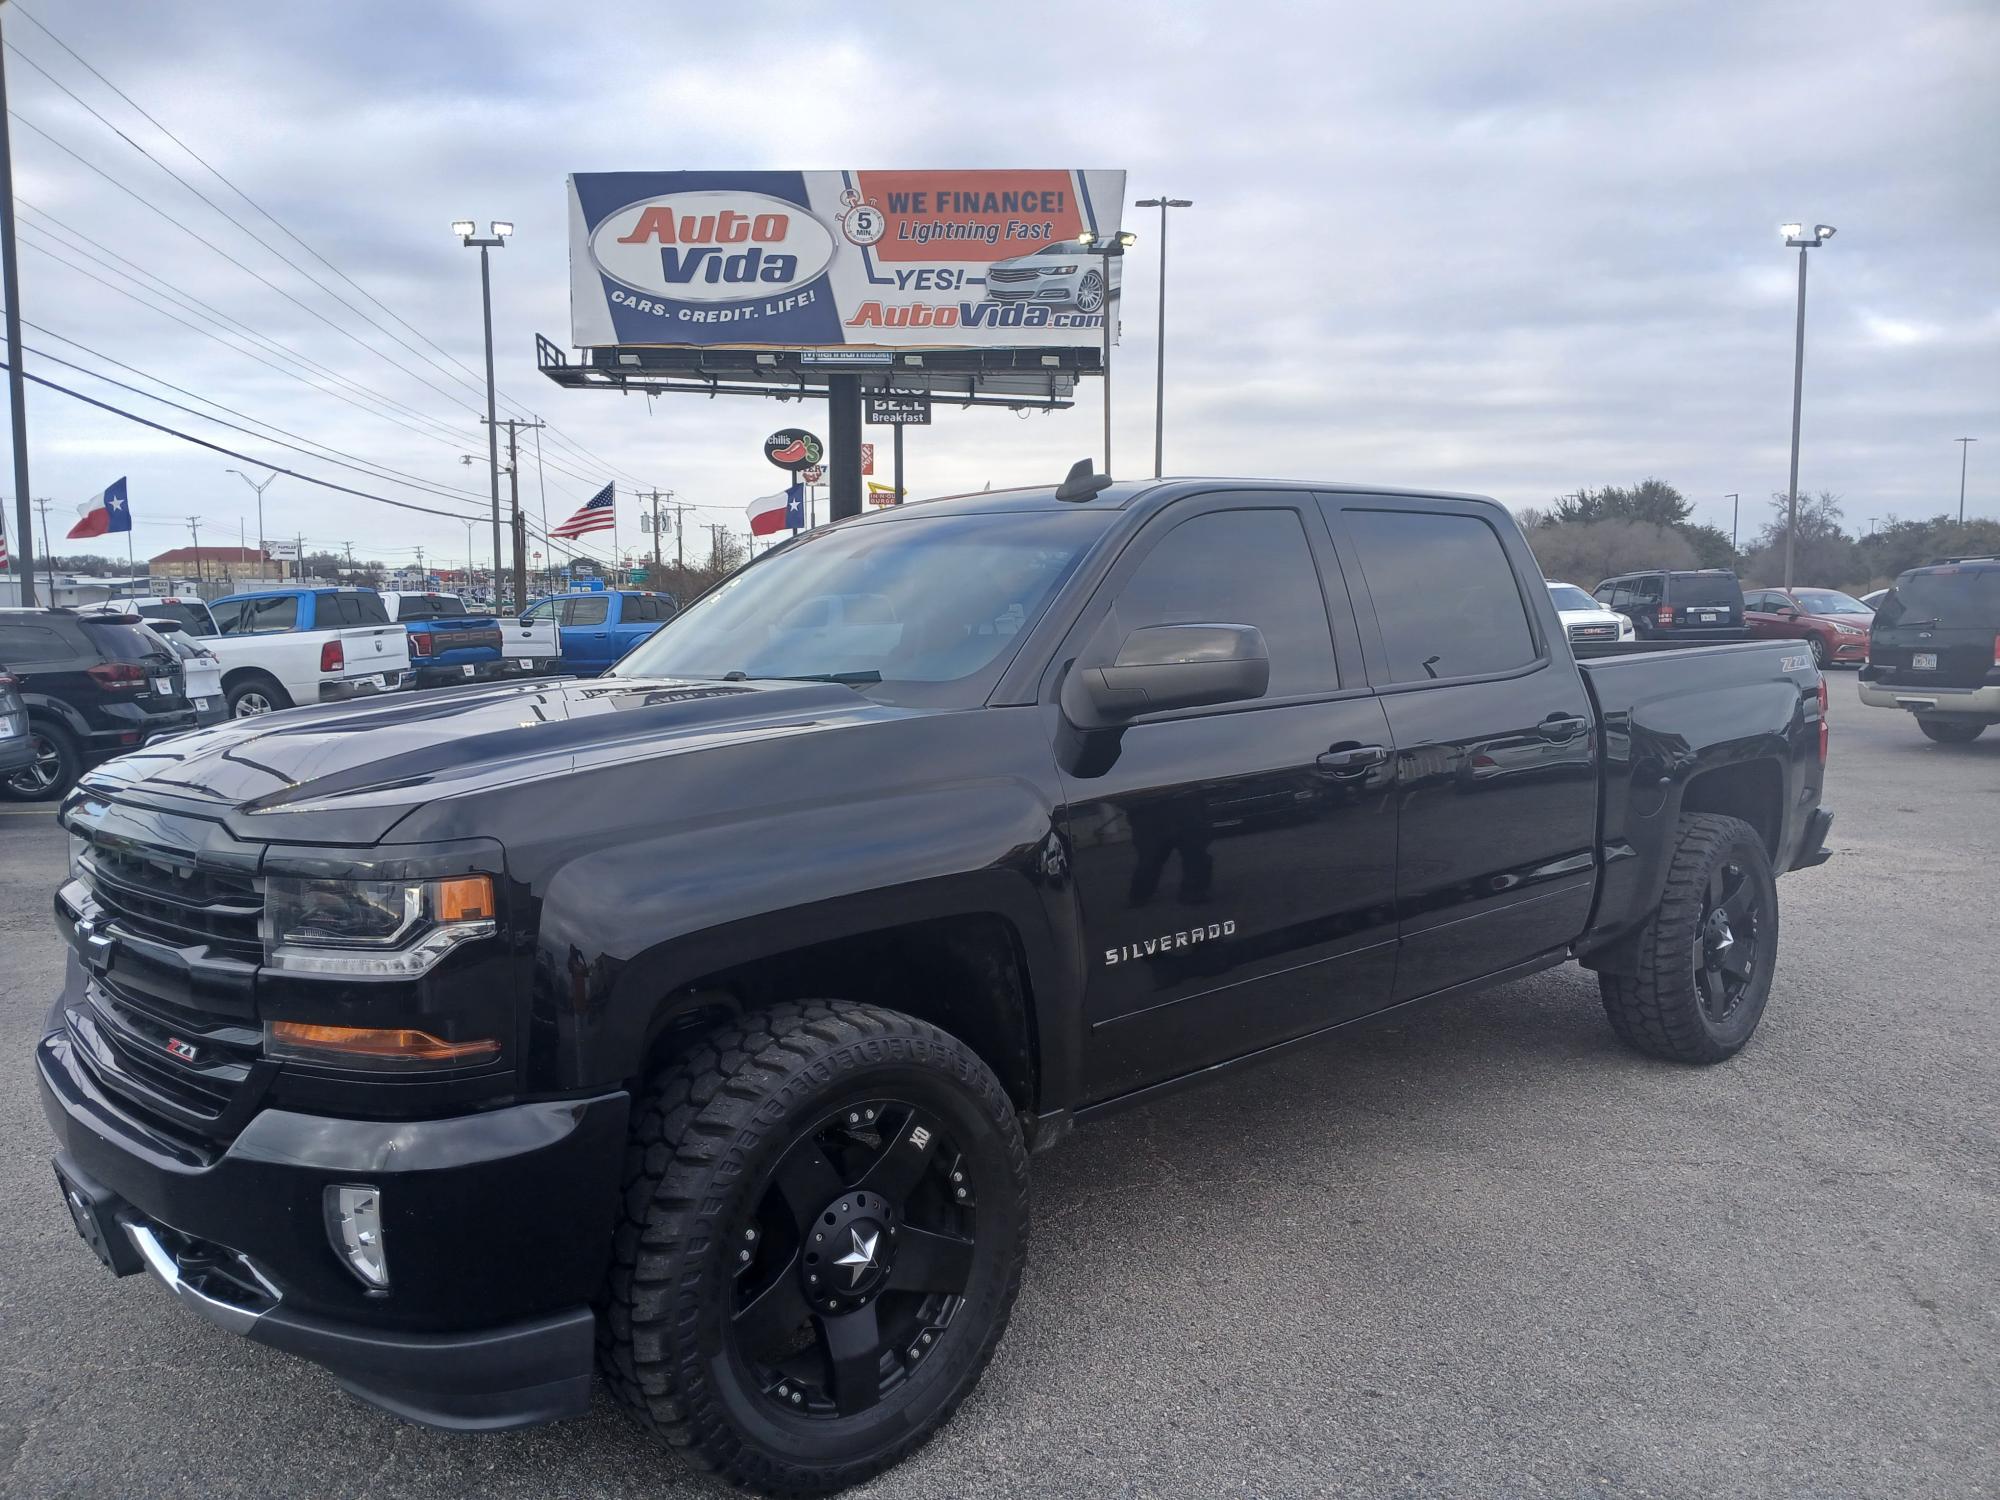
[1557,728]
[1347,761]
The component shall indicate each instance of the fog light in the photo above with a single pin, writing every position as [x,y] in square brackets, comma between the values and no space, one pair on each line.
[354,1224]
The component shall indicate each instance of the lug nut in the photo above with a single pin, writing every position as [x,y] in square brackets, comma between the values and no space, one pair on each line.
[749,1234]
[742,1254]
[871,1114]
[853,1118]
[927,1338]
[812,1281]
[796,1398]
[961,1192]
[958,1177]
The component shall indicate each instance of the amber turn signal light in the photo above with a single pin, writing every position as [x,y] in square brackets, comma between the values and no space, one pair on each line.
[307,1041]
[464,898]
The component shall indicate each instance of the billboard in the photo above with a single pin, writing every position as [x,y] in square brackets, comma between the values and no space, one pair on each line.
[848,259]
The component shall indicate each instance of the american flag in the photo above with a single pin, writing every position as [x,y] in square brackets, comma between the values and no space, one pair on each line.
[600,514]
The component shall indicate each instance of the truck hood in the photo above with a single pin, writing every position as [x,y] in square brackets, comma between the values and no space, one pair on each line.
[376,759]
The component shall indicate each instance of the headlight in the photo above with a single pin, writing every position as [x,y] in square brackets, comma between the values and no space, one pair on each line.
[1069,270]
[372,929]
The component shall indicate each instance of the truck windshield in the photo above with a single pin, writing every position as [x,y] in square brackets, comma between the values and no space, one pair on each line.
[1954,598]
[919,609]
[1568,596]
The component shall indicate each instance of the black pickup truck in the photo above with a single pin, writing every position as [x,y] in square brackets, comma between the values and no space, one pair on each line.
[697,1021]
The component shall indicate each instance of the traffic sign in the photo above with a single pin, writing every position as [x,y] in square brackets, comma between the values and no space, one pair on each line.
[813,475]
[897,411]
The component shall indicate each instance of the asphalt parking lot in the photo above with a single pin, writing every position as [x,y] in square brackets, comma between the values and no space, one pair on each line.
[1481,1252]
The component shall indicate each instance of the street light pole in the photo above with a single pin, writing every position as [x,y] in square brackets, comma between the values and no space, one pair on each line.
[499,230]
[259,488]
[17,387]
[1735,511]
[1964,447]
[1796,238]
[1160,343]
[1110,249]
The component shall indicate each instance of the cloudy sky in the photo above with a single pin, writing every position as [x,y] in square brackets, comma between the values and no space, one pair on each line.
[1504,248]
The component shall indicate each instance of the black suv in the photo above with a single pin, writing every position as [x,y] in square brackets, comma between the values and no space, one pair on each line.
[1702,605]
[1934,648]
[94,686]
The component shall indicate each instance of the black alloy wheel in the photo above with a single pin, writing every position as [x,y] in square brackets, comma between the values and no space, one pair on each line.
[56,765]
[855,1259]
[1694,987]
[822,1229]
[1726,944]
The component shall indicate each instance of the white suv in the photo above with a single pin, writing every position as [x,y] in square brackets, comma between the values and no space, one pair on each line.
[1586,621]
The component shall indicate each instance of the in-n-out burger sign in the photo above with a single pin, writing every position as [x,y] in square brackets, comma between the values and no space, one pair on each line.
[711,246]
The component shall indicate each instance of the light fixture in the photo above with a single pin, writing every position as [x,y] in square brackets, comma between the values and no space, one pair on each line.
[501,229]
[1127,238]
[1790,231]
[913,359]
[1088,237]
[465,229]
[354,1225]
[1824,231]
[767,359]
[628,359]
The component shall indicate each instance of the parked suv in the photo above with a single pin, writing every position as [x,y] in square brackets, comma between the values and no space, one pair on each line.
[1833,624]
[94,686]
[1704,605]
[1934,649]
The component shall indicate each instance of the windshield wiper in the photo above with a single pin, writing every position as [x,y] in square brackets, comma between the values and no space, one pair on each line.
[845,679]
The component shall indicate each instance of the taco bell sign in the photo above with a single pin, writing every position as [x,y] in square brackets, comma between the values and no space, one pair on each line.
[813,260]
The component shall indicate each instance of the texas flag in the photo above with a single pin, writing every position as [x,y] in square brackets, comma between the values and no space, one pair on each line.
[107,512]
[771,513]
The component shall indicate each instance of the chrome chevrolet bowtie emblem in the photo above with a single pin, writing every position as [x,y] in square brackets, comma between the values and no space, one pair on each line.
[860,1258]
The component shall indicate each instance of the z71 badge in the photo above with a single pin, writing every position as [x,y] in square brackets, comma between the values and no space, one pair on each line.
[1167,942]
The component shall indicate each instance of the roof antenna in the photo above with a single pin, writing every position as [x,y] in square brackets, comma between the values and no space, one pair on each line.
[1081,484]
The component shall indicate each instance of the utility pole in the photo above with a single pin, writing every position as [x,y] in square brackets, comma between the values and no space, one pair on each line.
[200,572]
[48,552]
[1735,510]
[1964,447]
[17,386]
[259,488]
[517,527]
[716,532]
[1797,239]
[1162,203]
[421,579]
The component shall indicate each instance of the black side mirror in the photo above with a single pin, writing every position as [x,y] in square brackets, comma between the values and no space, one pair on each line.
[1162,667]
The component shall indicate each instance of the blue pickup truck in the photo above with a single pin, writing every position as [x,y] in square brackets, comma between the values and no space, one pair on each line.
[447,643]
[600,625]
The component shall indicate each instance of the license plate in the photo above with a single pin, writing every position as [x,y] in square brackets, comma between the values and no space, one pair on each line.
[163,685]
[93,1220]
[466,671]
[199,702]
[1708,617]
[1923,661]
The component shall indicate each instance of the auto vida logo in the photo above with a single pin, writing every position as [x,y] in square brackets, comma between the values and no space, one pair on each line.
[1168,942]
[711,246]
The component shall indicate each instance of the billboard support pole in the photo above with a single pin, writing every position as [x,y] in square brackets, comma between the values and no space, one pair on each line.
[897,498]
[843,416]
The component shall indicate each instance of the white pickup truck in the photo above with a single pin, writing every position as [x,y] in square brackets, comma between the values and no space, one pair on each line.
[282,647]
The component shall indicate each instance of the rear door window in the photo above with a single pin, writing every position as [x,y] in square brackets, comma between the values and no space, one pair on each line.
[228,616]
[1445,595]
[28,645]
[592,609]
[260,615]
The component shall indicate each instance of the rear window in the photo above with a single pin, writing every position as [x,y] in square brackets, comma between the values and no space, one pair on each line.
[1953,598]
[1704,588]
[444,606]
[116,640]
[191,617]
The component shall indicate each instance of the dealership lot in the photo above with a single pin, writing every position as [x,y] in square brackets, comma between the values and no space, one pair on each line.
[1483,1250]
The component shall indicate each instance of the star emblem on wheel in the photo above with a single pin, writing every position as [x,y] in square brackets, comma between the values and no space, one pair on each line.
[860,1257]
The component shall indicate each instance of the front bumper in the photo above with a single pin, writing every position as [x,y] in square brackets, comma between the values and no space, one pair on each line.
[497,1230]
[1979,702]
[341,690]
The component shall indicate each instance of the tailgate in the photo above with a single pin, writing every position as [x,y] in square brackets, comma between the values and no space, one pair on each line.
[529,638]
[369,650]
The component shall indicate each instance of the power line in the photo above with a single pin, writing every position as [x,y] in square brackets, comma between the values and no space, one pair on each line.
[470,382]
